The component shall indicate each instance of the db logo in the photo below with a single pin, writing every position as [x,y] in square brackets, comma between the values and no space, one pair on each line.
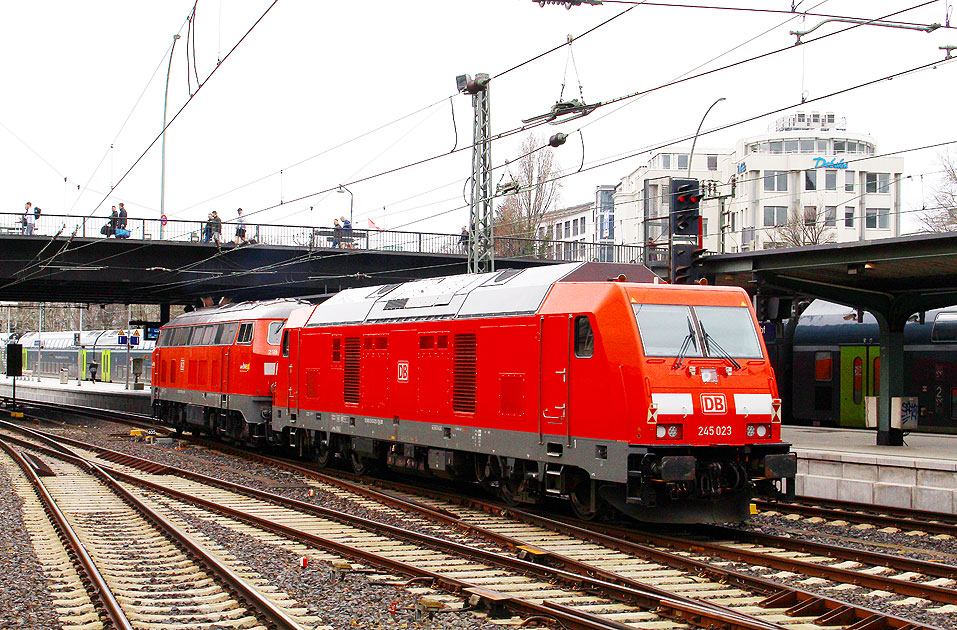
[713,403]
[402,374]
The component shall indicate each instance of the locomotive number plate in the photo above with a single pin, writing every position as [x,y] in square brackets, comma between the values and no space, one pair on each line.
[714,431]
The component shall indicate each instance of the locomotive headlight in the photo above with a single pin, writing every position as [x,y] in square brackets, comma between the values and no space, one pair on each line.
[661,431]
[758,430]
[672,431]
[668,431]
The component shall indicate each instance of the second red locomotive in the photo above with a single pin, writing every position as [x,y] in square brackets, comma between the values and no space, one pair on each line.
[658,400]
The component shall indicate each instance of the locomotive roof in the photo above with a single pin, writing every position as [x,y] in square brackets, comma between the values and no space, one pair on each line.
[271,309]
[500,293]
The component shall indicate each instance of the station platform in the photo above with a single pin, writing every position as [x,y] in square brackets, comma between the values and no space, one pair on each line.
[100,395]
[848,465]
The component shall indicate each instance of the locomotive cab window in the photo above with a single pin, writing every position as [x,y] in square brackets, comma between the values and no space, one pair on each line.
[245,333]
[584,337]
[666,329]
[275,332]
[669,330]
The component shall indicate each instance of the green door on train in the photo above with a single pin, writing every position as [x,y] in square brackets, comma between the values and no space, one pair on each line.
[860,378]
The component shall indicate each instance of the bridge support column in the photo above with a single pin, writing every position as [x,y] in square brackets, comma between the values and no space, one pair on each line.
[891,377]
[164,313]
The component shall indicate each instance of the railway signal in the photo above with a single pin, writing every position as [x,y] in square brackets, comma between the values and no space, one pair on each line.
[683,258]
[685,206]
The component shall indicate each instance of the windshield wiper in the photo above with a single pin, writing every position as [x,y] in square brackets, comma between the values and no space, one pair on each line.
[709,342]
[690,340]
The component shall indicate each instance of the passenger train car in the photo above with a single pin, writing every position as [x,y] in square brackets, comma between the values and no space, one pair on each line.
[837,365]
[46,354]
[658,400]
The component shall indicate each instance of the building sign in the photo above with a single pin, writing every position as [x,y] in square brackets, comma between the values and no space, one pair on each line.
[820,162]
[742,167]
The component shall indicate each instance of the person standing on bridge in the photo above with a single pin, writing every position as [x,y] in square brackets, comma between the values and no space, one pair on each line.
[217,227]
[121,224]
[240,227]
[28,220]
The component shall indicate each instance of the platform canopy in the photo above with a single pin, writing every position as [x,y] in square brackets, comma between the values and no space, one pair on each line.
[890,278]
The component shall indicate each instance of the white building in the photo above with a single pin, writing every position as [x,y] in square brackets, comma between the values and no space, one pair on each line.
[811,172]
[585,231]
[810,177]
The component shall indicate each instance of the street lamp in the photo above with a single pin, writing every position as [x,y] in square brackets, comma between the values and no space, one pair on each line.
[693,142]
[352,198]
[163,159]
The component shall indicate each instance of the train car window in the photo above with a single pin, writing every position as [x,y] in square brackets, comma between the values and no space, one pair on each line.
[226,334]
[584,337]
[823,366]
[877,376]
[945,328]
[275,332]
[163,338]
[209,335]
[729,328]
[285,343]
[664,329]
[196,336]
[180,336]
[245,333]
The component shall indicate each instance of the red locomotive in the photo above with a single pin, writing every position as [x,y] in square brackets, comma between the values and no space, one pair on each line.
[214,369]
[656,399]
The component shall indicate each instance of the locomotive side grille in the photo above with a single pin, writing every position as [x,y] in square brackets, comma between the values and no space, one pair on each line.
[463,373]
[350,386]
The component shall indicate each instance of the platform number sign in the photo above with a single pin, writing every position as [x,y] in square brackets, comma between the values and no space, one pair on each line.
[402,372]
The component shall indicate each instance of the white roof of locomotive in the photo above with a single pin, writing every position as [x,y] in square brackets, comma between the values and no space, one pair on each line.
[501,293]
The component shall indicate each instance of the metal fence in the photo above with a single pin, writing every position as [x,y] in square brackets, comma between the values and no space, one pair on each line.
[322,237]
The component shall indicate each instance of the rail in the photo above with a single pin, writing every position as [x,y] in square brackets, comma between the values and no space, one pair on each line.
[176,230]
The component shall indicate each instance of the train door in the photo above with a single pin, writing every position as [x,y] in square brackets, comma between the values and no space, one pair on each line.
[290,348]
[860,374]
[224,379]
[553,384]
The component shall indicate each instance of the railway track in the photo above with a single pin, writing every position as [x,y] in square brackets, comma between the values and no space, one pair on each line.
[485,577]
[877,515]
[558,549]
[144,571]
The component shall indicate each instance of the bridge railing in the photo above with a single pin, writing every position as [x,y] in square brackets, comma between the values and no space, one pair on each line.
[321,237]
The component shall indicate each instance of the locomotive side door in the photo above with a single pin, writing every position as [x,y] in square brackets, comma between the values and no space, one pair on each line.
[860,374]
[224,379]
[290,348]
[554,333]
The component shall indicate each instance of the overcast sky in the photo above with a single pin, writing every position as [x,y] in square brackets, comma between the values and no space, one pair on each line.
[314,76]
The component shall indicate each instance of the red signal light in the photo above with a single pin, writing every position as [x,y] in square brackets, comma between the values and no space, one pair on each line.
[682,198]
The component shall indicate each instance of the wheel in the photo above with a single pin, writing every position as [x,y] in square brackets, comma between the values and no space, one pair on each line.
[324,454]
[486,473]
[583,497]
[358,464]
[508,490]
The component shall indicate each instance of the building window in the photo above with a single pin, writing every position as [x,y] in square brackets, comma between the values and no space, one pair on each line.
[830,179]
[747,236]
[704,226]
[558,231]
[568,229]
[777,147]
[878,218]
[848,181]
[810,215]
[830,216]
[830,119]
[712,162]
[840,146]
[791,146]
[774,216]
[877,182]
[575,227]
[849,216]
[665,160]
[581,221]
[776,181]
[682,161]
[807,146]
[822,147]
[810,180]
[815,117]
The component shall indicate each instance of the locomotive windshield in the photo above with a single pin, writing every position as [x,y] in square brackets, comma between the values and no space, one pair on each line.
[694,331]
